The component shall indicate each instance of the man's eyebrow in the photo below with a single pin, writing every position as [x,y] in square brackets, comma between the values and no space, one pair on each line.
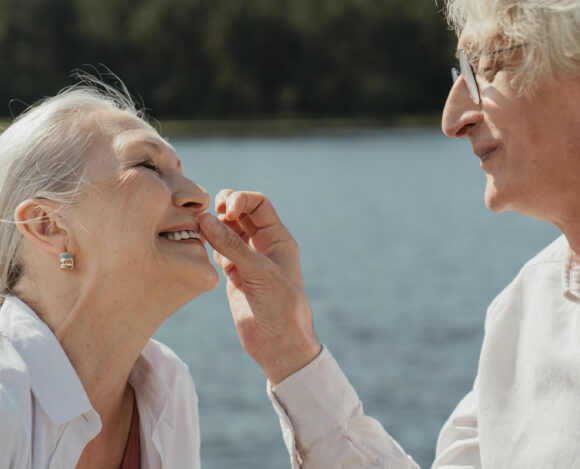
[505,49]
[473,56]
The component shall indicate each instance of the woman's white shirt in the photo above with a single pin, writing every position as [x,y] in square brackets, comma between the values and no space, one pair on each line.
[46,418]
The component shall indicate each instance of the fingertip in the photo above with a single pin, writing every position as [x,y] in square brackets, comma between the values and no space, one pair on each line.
[223,262]
[220,199]
[235,205]
[220,207]
[230,210]
[228,267]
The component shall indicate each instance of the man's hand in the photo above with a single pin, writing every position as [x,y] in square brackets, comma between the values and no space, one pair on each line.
[264,282]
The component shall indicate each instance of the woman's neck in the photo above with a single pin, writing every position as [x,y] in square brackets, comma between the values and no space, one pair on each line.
[102,337]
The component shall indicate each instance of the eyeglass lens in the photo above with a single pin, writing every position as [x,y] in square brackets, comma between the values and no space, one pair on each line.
[467,72]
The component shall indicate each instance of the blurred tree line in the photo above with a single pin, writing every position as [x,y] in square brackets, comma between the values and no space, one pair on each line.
[235,58]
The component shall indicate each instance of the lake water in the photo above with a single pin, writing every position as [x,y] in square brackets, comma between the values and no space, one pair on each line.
[400,259]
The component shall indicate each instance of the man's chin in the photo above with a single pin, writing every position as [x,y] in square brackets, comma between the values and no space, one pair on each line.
[493,200]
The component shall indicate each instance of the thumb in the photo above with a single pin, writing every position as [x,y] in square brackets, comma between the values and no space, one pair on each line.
[225,241]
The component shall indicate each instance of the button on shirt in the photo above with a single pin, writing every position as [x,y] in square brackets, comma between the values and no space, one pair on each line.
[523,411]
[46,418]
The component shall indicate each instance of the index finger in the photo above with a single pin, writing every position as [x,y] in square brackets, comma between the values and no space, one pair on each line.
[230,245]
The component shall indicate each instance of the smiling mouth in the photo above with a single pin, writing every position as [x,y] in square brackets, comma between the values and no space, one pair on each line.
[483,159]
[181,235]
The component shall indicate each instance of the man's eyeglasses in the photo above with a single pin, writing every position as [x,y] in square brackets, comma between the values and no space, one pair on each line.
[466,70]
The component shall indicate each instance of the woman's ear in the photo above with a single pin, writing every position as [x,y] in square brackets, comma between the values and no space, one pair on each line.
[40,221]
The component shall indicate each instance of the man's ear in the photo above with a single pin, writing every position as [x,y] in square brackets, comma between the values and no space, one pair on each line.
[40,222]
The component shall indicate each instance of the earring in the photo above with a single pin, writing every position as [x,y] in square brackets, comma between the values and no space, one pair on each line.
[66,261]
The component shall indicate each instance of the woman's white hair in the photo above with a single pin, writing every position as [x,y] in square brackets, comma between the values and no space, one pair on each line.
[43,154]
[550,30]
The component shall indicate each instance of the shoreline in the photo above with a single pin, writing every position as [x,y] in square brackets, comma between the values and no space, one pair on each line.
[280,126]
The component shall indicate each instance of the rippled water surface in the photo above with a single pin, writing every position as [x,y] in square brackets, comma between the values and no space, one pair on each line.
[400,259]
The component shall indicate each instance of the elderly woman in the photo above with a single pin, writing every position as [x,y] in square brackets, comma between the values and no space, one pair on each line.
[100,244]
[516,96]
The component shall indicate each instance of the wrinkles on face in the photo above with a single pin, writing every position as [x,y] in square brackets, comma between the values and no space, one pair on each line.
[527,140]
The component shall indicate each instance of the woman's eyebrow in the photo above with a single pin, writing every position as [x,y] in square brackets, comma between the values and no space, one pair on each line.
[147,142]
[162,149]
[152,143]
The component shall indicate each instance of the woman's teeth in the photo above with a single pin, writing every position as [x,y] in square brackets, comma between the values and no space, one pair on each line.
[179,235]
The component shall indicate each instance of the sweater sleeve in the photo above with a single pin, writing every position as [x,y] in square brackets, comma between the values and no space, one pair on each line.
[324,425]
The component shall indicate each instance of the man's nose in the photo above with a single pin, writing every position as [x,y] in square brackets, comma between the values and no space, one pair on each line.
[460,113]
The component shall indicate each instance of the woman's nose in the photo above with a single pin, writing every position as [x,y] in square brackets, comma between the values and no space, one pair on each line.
[189,194]
[460,114]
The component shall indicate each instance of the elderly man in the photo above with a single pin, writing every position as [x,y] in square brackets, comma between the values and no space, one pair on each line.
[516,95]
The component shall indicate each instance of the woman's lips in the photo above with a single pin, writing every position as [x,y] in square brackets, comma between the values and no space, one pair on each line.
[181,235]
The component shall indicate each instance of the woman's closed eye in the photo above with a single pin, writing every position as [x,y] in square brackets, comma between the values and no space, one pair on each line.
[150,165]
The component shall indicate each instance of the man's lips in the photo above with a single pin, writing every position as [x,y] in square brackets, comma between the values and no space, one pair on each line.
[484,152]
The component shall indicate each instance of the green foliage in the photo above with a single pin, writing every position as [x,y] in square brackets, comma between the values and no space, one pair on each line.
[235,58]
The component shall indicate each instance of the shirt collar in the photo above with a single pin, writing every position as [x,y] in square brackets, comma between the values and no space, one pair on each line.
[55,383]
[150,388]
[53,379]
[571,277]
[153,396]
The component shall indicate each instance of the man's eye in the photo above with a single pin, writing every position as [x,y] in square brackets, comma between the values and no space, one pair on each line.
[489,70]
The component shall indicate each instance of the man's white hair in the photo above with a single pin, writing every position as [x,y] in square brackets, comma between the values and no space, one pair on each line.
[550,30]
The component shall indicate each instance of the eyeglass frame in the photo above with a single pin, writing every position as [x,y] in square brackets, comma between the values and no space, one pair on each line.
[466,69]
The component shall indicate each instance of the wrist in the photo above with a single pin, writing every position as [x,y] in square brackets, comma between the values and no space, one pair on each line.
[286,361]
